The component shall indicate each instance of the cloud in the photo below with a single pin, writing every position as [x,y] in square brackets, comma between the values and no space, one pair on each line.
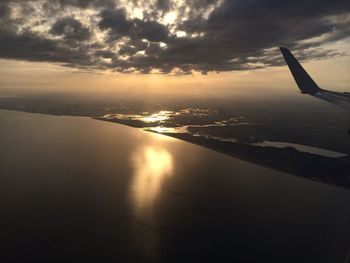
[31,47]
[83,3]
[120,26]
[170,36]
[70,28]
[4,10]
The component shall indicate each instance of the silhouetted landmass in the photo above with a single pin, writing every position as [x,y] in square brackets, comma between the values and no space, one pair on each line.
[282,124]
[288,159]
[335,171]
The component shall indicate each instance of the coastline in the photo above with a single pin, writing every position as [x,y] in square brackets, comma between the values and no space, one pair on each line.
[288,159]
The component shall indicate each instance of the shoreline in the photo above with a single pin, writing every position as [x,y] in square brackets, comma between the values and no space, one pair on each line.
[287,160]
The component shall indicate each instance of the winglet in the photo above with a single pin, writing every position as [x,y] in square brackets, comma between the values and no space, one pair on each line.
[304,81]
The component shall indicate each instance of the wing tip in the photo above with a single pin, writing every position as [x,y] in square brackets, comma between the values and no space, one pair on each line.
[301,77]
[284,50]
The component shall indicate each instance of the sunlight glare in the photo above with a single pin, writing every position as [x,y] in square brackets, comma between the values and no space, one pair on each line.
[152,166]
[157,117]
[170,17]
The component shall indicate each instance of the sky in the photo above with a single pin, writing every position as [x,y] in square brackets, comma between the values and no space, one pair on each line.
[167,44]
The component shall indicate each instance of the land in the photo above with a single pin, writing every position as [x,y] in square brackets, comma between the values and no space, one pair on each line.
[252,126]
[334,171]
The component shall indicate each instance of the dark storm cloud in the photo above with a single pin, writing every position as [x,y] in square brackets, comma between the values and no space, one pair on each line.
[215,35]
[127,50]
[70,28]
[4,10]
[120,26]
[104,54]
[150,30]
[85,3]
[242,29]
[164,5]
[33,48]
[115,20]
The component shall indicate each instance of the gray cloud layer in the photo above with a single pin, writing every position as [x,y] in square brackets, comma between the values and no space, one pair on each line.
[70,28]
[165,36]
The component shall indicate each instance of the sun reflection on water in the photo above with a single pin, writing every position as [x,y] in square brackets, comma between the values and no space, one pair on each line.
[161,116]
[152,166]
[158,117]
[160,129]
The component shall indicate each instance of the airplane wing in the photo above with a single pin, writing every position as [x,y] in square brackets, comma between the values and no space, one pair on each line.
[308,86]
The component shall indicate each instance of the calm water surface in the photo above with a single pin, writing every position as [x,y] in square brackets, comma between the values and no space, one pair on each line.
[74,189]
